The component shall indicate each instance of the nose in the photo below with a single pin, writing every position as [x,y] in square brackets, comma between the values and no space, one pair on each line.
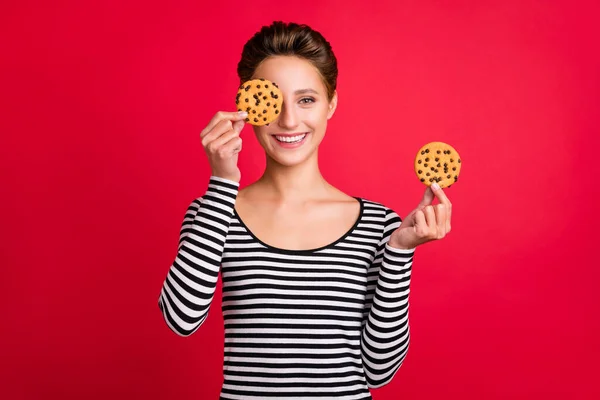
[288,119]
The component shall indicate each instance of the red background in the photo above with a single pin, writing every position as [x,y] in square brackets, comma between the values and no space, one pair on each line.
[101,105]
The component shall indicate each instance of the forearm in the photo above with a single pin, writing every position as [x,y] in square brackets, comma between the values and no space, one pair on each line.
[386,336]
[189,287]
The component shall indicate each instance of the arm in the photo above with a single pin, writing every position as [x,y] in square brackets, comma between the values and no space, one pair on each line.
[189,287]
[385,335]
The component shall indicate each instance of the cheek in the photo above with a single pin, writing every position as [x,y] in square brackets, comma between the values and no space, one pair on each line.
[259,130]
[316,117]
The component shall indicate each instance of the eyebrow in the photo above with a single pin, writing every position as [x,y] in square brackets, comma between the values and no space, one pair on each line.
[305,91]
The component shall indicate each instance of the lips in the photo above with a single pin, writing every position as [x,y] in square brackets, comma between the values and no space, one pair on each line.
[289,145]
[289,134]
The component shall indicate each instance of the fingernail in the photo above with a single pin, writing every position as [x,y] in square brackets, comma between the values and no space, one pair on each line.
[243,113]
[435,186]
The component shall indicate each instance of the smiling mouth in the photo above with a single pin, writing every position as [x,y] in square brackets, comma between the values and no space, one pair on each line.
[293,138]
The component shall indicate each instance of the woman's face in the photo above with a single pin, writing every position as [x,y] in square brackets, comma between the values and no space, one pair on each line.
[304,112]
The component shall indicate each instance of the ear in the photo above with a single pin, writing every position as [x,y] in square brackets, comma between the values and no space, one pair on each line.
[332,105]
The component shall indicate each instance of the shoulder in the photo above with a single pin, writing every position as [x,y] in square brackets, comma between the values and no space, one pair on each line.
[373,208]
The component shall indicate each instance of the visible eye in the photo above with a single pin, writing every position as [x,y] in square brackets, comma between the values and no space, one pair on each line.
[307,100]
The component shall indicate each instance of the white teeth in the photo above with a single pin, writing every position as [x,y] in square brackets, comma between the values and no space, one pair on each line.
[293,139]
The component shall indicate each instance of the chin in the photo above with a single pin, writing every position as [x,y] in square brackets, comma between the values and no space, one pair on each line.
[293,159]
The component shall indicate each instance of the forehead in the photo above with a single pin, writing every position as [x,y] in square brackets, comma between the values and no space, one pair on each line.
[290,73]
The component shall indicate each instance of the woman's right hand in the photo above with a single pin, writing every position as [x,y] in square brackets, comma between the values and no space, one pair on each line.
[222,143]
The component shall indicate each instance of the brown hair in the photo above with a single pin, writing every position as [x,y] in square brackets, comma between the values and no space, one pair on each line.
[291,39]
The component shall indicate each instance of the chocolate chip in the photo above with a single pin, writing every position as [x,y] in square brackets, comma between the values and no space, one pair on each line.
[264,97]
[246,100]
[459,160]
[422,152]
[262,79]
[425,164]
[422,179]
[427,174]
[266,87]
[448,176]
[439,165]
[437,159]
[255,119]
[274,105]
[253,111]
[426,150]
[260,93]
[264,111]
[451,160]
[247,119]
[247,88]
[430,179]
[248,109]
[426,158]
[420,171]
[268,104]
[276,111]
[432,168]
[237,102]
[419,161]
[258,86]
[438,152]
[453,168]
[264,119]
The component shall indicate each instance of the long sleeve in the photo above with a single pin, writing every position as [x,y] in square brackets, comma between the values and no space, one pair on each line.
[385,334]
[189,287]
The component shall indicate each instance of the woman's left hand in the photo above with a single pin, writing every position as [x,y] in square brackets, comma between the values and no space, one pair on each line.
[425,223]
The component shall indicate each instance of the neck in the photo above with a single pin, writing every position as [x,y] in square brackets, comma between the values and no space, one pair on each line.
[294,184]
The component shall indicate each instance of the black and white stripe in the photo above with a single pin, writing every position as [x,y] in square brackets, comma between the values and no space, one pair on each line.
[327,323]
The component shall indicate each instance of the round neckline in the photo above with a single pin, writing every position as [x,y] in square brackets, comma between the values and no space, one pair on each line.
[305,251]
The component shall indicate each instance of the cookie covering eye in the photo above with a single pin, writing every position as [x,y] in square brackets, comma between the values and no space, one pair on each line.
[255,95]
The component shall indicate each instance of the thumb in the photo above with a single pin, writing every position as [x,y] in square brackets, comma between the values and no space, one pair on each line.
[238,126]
[427,197]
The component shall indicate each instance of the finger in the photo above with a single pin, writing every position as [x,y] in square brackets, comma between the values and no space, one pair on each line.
[430,219]
[234,146]
[448,218]
[223,115]
[222,127]
[439,193]
[420,223]
[224,138]
[440,219]
[238,125]
[427,197]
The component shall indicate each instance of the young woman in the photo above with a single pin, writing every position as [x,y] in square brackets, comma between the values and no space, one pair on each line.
[315,282]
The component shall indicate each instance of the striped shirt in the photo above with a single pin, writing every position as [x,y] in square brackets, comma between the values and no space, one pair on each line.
[326,323]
